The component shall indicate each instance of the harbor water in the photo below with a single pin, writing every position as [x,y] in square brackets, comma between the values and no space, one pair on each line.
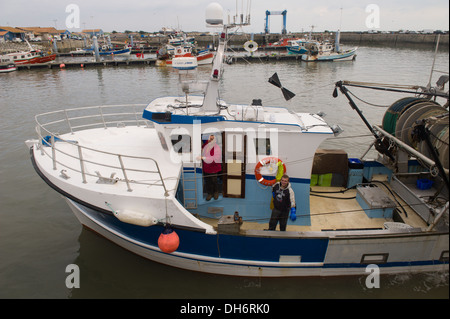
[40,237]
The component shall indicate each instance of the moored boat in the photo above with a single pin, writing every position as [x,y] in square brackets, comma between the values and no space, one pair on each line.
[6,64]
[169,52]
[31,57]
[107,50]
[297,46]
[130,178]
[318,53]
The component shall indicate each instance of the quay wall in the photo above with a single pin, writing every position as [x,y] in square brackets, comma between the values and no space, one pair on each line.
[347,38]
[395,39]
[351,38]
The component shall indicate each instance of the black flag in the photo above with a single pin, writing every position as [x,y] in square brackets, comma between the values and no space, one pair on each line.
[276,81]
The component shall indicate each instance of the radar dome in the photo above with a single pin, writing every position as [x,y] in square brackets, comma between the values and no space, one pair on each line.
[214,14]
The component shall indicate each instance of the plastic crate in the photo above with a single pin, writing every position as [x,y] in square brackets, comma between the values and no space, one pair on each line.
[314,179]
[355,163]
[325,180]
[424,183]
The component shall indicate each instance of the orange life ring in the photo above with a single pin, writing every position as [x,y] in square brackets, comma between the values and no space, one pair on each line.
[178,51]
[263,163]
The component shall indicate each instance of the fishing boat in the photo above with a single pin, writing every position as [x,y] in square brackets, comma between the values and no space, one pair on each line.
[327,51]
[180,38]
[31,57]
[297,46]
[169,52]
[134,174]
[324,52]
[283,43]
[108,50]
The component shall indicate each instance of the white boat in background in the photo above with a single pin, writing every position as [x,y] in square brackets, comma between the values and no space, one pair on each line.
[327,51]
[321,52]
[133,174]
[168,53]
[180,38]
[80,51]
[7,64]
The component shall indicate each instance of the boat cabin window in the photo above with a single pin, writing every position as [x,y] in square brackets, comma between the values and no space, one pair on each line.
[181,143]
[262,146]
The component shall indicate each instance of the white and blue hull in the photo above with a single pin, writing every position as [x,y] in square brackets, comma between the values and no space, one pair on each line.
[126,51]
[285,255]
[344,56]
[296,50]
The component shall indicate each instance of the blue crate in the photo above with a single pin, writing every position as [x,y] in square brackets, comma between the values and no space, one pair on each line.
[424,183]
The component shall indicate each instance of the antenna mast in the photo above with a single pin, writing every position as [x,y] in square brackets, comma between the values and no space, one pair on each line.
[214,18]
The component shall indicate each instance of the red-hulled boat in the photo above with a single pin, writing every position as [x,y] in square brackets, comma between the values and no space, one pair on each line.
[31,57]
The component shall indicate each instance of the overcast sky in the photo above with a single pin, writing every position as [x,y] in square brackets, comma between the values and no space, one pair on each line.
[189,15]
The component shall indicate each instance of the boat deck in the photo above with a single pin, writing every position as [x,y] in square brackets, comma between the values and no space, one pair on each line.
[142,143]
[335,214]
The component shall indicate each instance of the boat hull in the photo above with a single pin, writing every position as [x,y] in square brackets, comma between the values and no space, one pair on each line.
[39,59]
[201,59]
[7,68]
[278,254]
[126,51]
[345,56]
[296,50]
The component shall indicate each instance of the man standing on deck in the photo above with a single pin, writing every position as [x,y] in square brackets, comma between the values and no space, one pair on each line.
[283,202]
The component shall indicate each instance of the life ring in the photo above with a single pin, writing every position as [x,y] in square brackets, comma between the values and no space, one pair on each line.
[178,51]
[263,163]
[251,46]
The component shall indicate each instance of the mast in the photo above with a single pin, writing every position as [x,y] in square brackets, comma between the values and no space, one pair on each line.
[214,18]
[212,91]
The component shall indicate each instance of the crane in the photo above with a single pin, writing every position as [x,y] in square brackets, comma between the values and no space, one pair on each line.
[283,13]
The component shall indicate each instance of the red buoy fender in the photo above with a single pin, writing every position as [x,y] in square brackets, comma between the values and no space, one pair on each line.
[263,163]
[168,241]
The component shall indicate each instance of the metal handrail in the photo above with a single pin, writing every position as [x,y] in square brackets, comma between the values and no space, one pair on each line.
[100,119]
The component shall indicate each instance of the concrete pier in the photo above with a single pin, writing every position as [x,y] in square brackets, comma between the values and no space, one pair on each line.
[89,64]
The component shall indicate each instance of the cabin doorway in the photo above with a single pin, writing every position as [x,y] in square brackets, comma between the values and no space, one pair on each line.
[234,162]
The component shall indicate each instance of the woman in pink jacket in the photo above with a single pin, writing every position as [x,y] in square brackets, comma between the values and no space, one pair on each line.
[212,166]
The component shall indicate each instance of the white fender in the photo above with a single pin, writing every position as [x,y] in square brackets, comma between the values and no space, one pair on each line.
[135,218]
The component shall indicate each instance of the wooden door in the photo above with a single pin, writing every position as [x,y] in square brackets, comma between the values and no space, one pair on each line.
[234,163]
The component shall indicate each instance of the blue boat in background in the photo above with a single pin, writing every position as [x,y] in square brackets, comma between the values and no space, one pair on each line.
[109,51]
[297,46]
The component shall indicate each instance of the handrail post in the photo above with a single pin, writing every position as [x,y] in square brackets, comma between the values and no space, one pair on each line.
[103,119]
[52,140]
[162,180]
[124,173]
[68,122]
[135,115]
[39,133]
[83,173]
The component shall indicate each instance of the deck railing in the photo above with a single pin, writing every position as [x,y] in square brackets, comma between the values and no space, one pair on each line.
[51,126]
